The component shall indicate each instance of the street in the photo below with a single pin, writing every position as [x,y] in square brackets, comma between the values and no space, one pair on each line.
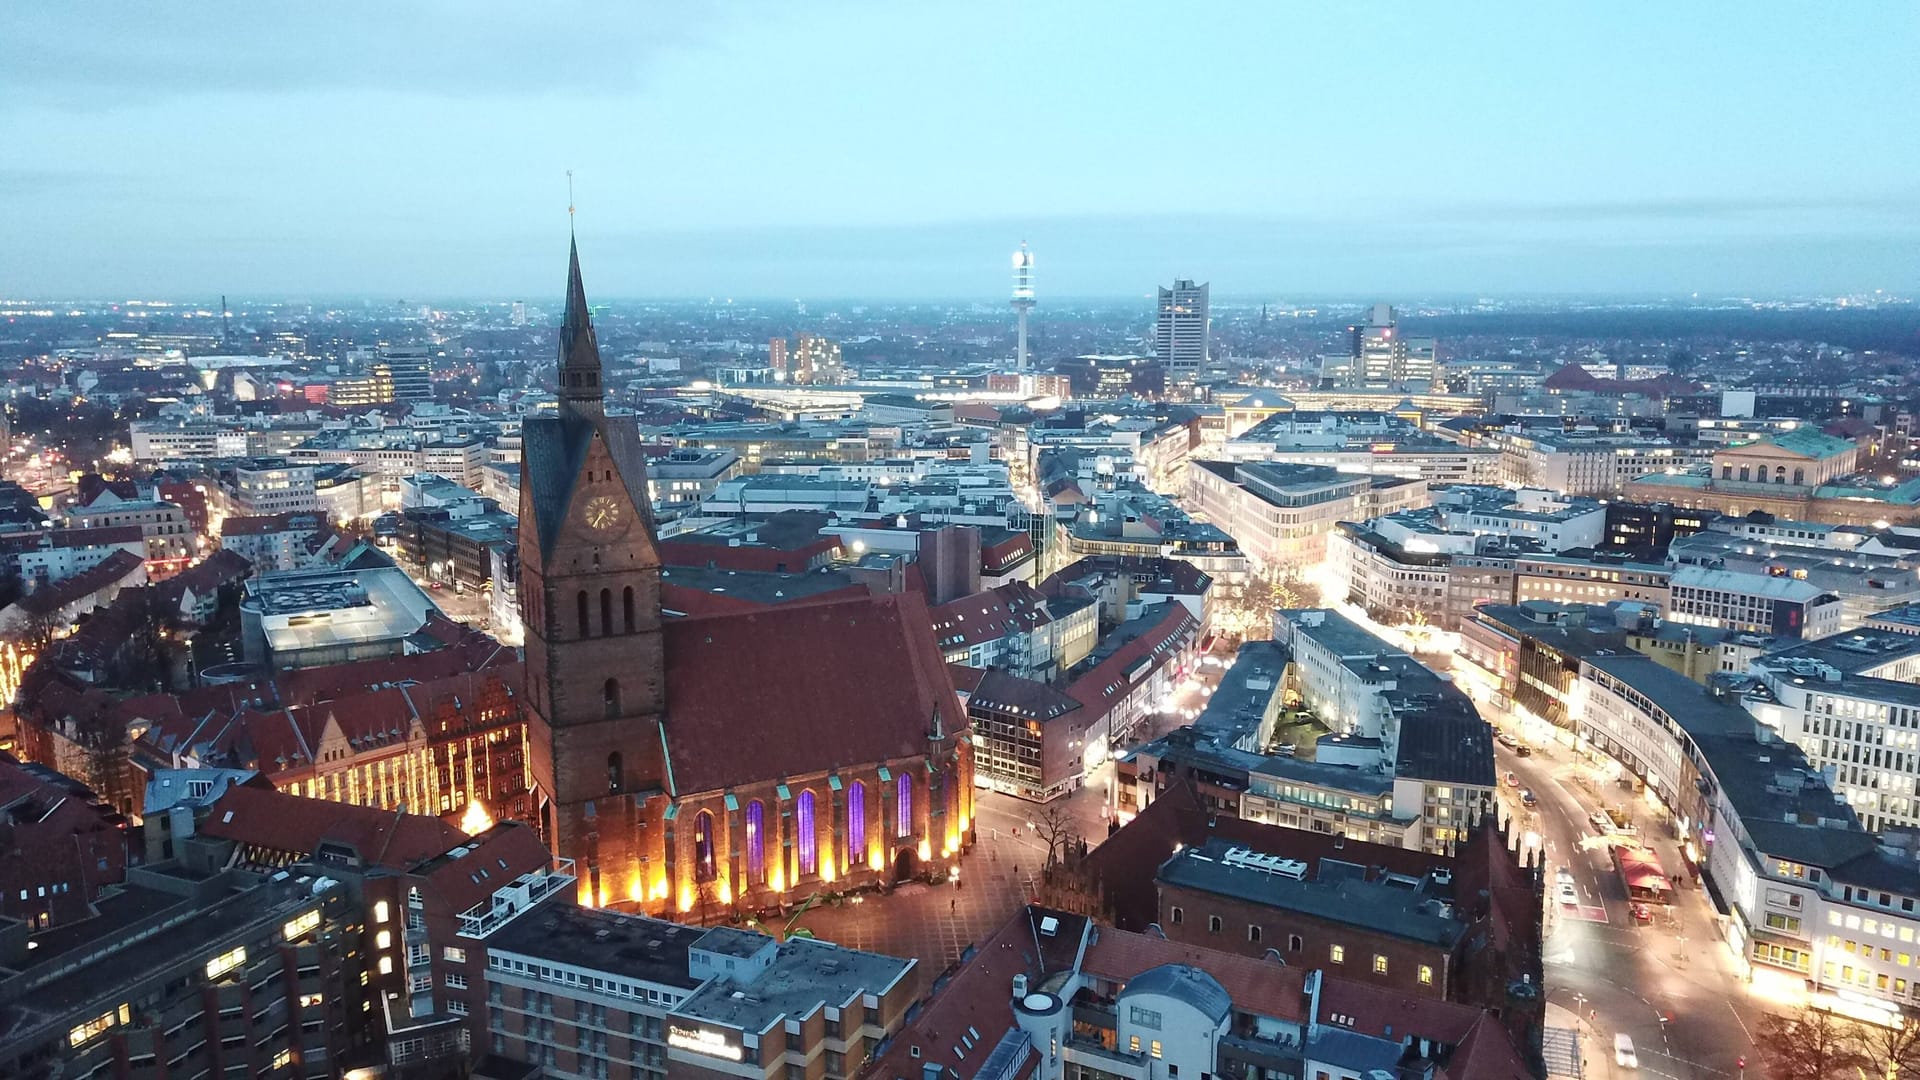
[1670,985]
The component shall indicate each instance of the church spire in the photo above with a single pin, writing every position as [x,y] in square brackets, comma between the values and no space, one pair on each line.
[580,390]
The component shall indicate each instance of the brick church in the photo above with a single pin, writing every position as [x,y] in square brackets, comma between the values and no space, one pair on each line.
[692,765]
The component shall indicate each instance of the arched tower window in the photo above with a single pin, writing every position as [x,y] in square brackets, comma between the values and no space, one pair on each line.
[806,843]
[1799,476]
[903,807]
[756,843]
[582,605]
[606,612]
[613,773]
[703,861]
[856,823]
[626,604]
[611,694]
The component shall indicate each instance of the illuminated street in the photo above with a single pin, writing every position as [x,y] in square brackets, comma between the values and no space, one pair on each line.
[1600,961]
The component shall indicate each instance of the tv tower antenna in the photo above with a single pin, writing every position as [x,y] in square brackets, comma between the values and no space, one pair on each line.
[226,323]
[1022,299]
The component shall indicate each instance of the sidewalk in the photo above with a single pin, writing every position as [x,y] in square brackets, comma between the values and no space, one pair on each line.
[1567,1040]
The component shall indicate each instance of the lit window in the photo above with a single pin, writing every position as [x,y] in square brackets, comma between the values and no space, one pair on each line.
[1156,1047]
[1133,1044]
[1379,964]
[383,940]
[226,962]
[1426,975]
[1338,954]
[380,911]
[454,954]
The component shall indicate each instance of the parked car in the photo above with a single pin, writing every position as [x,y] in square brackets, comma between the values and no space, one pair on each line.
[1601,823]
[1512,779]
[1641,913]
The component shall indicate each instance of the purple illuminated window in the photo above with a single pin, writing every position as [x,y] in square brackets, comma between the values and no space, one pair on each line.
[756,844]
[806,841]
[904,806]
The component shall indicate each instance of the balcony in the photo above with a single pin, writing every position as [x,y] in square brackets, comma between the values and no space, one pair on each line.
[509,900]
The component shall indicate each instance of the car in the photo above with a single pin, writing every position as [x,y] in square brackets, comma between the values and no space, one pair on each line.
[1623,1054]
[1522,750]
[1507,741]
[1566,894]
[1528,798]
[1513,780]
[1641,913]
[1601,823]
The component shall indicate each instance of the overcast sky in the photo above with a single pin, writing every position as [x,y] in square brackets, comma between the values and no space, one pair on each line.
[419,149]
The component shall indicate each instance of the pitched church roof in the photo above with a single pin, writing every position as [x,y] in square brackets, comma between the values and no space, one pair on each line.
[803,688]
[555,447]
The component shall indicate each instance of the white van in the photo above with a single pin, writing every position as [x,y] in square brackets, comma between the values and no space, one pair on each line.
[1623,1054]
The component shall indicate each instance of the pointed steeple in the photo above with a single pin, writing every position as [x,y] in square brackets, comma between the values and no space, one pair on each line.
[580,390]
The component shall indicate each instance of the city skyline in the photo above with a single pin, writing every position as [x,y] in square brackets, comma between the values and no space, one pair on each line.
[770,153]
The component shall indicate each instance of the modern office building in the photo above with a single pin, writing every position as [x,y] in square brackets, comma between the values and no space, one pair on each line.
[1182,332]
[1380,356]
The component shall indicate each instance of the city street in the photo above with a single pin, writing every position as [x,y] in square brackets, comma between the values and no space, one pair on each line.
[1671,985]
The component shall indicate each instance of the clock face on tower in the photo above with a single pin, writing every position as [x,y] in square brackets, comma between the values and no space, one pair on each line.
[602,513]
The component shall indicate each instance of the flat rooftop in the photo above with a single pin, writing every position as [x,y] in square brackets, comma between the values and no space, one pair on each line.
[640,948]
[804,976]
[1415,910]
[78,966]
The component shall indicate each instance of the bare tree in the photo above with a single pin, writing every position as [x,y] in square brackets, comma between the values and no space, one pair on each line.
[36,630]
[1055,826]
[1811,1044]
[1890,1053]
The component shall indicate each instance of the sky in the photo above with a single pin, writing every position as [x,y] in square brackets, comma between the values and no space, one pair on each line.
[420,150]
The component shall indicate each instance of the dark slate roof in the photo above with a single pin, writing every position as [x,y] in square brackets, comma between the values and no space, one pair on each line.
[555,447]
[1183,982]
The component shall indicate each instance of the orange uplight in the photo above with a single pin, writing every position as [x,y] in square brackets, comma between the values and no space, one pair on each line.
[634,888]
[585,891]
[686,897]
[726,892]
[476,820]
[775,881]
[874,861]
[926,850]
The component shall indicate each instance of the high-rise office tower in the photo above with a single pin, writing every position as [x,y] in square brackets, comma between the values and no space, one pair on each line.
[816,359]
[519,313]
[1022,299]
[1381,357]
[777,358]
[1181,333]
[407,370]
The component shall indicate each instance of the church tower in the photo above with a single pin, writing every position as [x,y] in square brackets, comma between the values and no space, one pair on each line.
[595,689]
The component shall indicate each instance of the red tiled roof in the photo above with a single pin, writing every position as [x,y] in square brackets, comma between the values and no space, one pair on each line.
[1013,608]
[493,859]
[276,821]
[110,571]
[1376,1009]
[747,691]
[94,537]
[1107,682]
[976,998]
[1262,987]
[1575,377]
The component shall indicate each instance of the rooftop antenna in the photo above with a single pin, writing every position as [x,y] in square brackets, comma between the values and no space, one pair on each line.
[226,323]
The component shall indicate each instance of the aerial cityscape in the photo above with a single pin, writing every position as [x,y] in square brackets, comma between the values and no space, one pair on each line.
[1018,542]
